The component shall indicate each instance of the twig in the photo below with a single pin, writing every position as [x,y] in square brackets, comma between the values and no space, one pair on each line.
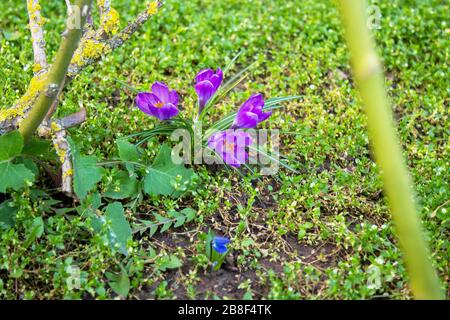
[129,30]
[62,148]
[104,6]
[57,130]
[37,34]
[93,50]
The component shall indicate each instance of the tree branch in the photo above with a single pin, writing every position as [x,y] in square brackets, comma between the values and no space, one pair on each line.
[37,35]
[57,131]
[370,81]
[89,52]
[58,70]
[92,50]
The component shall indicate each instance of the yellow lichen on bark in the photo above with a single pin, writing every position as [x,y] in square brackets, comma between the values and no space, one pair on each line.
[37,67]
[89,49]
[36,85]
[68,173]
[33,7]
[111,22]
[153,7]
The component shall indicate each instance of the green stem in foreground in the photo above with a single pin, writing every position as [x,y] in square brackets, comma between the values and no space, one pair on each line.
[370,80]
[58,71]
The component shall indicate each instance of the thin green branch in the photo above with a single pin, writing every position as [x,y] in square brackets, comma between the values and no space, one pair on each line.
[370,80]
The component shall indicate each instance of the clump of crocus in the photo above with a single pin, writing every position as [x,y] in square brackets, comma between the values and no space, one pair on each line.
[251,113]
[216,249]
[161,103]
[231,145]
[207,83]
[226,136]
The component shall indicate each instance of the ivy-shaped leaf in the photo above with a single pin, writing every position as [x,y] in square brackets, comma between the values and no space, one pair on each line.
[12,175]
[165,177]
[86,172]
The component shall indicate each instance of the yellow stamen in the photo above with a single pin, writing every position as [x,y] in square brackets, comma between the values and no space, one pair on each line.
[229,146]
[159,104]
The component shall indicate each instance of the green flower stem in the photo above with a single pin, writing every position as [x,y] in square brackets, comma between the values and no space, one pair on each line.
[370,80]
[58,70]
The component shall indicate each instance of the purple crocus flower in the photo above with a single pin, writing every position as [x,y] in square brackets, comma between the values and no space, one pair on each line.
[231,146]
[251,113]
[219,244]
[207,82]
[160,103]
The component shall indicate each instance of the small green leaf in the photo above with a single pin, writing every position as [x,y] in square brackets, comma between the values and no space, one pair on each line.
[165,227]
[127,150]
[86,173]
[11,145]
[168,262]
[180,221]
[120,283]
[30,165]
[11,35]
[189,213]
[119,229]
[7,214]
[12,175]
[127,153]
[35,231]
[37,147]
[153,230]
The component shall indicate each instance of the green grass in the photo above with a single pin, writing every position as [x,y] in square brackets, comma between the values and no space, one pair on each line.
[322,233]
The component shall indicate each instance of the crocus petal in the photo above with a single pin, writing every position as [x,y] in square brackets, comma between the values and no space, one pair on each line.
[203,75]
[250,113]
[167,111]
[256,100]
[241,155]
[161,90]
[143,100]
[264,116]
[243,139]
[231,146]
[173,97]
[246,120]
[216,79]
[205,90]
